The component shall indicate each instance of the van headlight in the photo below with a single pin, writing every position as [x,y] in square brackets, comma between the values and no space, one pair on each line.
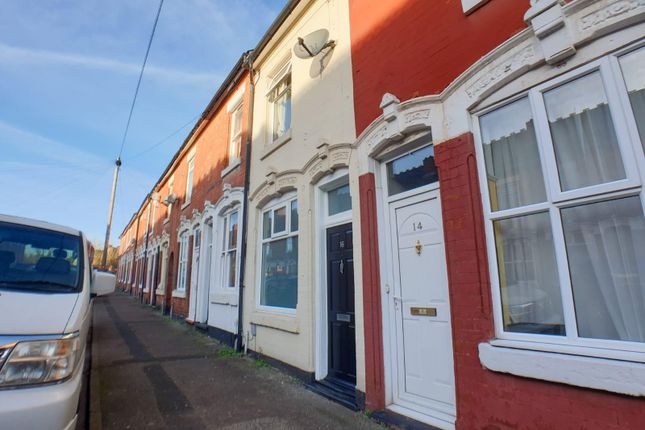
[41,361]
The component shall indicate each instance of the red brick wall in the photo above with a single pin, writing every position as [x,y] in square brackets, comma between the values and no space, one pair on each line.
[412,48]
[374,371]
[211,158]
[489,400]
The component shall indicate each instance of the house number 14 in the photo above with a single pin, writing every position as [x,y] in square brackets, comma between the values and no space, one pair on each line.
[416,226]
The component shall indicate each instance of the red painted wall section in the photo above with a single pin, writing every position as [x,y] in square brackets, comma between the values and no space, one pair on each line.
[485,399]
[412,48]
[374,370]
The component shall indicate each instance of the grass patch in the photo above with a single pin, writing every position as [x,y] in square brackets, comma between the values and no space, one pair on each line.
[228,352]
[260,363]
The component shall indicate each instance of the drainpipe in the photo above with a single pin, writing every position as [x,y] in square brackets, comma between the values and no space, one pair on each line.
[144,278]
[248,64]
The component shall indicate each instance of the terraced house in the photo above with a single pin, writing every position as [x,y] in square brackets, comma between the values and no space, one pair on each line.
[443,212]
[187,252]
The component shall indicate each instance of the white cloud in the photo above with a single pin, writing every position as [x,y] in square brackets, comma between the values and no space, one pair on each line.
[22,56]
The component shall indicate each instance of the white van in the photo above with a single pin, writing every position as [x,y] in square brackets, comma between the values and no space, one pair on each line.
[46,286]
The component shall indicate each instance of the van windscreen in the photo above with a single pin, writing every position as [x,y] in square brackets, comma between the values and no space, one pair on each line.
[39,260]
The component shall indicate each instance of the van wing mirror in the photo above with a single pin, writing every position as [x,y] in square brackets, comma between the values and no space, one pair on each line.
[102,283]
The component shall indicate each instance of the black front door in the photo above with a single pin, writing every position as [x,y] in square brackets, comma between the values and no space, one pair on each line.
[340,302]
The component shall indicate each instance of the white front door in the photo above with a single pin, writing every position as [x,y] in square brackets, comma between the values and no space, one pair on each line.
[423,381]
[203,290]
[194,276]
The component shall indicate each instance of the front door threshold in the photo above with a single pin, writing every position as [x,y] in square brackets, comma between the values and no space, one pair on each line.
[399,421]
[336,390]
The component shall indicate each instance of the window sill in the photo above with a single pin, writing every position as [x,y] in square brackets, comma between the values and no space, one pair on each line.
[230,299]
[160,292]
[616,376]
[469,6]
[273,146]
[179,294]
[146,290]
[230,167]
[185,205]
[280,322]
[165,221]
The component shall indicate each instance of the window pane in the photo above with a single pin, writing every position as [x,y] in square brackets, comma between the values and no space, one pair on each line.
[224,233]
[513,167]
[232,268]
[266,224]
[279,285]
[528,275]
[412,171]
[339,200]
[236,119]
[44,261]
[606,248]
[633,65]
[294,215]
[232,231]
[584,139]
[197,239]
[282,108]
[280,220]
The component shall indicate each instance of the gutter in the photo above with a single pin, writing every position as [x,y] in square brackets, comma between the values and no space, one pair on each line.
[275,26]
[248,65]
[216,101]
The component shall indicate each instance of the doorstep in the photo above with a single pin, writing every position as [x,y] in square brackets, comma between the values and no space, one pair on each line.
[337,391]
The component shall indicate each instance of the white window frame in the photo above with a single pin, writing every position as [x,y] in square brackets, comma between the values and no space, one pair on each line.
[182,262]
[189,180]
[235,138]
[282,202]
[224,251]
[275,82]
[633,161]
[469,6]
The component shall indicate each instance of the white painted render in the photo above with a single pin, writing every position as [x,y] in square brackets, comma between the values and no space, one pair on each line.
[319,142]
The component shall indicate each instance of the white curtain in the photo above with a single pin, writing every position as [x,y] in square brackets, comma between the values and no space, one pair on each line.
[514,168]
[529,275]
[606,248]
[637,99]
[586,149]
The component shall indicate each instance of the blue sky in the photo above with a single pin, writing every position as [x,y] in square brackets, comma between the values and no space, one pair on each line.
[68,71]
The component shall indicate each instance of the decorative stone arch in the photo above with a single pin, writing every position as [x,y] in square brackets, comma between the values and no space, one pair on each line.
[327,159]
[184,225]
[195,220]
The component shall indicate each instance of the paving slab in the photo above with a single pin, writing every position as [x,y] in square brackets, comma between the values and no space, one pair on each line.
[151,372]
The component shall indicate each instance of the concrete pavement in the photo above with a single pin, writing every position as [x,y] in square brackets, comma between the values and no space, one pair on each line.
[149,372]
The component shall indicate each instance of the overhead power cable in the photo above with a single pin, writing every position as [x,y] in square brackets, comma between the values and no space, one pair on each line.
[165,139]
[117,163]
[136,91]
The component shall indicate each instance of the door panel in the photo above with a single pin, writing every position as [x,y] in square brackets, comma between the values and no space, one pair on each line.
[425,373]
[340,302]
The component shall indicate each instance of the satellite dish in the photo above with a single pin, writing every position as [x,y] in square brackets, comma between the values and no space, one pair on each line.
[312,44]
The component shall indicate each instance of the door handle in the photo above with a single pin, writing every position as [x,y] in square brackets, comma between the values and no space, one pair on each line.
[397,302]
[342,267]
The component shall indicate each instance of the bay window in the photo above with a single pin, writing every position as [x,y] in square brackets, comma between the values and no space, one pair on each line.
[279,260]
[562,181]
